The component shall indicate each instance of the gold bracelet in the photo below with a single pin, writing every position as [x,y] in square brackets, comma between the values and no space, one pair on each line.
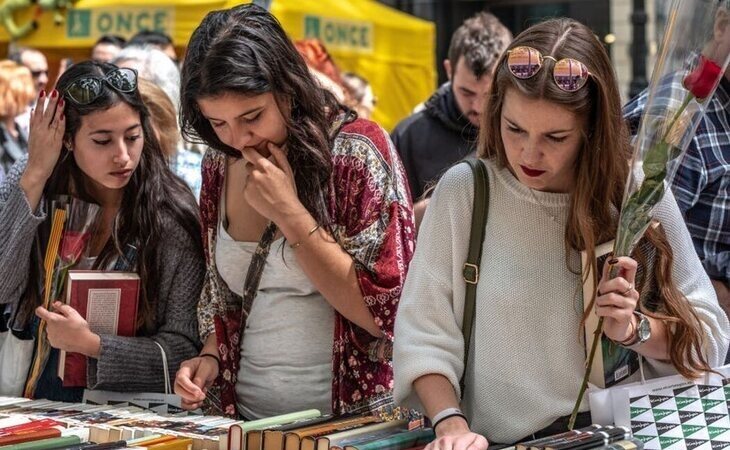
[297,244]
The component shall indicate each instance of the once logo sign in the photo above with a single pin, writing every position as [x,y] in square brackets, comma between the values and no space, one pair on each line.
[92,23]
[340,34]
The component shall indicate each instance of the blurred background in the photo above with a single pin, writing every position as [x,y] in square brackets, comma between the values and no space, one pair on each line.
[398,46]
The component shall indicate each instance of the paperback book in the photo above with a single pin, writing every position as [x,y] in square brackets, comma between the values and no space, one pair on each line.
[612,363]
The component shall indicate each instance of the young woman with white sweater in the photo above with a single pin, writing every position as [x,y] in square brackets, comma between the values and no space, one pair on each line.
[557,155]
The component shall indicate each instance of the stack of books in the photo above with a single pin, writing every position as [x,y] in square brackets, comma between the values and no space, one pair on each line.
[322,432]
[57,425]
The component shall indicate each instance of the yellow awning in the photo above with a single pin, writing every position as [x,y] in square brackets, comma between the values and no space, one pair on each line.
[393,50]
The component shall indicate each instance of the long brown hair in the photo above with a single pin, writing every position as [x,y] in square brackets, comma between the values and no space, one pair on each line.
[601,170]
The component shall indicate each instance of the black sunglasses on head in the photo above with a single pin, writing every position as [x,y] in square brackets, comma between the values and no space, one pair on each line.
[87,89]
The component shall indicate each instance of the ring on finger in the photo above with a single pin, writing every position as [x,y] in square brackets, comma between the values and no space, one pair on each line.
[627,291]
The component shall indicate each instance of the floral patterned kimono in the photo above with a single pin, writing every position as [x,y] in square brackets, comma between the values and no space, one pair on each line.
[372,216]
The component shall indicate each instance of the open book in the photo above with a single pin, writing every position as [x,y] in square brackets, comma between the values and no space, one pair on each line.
[108,301]
[612,363]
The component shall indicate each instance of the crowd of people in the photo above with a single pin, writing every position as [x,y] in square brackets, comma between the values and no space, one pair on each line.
[273,225]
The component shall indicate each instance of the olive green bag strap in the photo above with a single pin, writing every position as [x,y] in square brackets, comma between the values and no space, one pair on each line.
[471,266]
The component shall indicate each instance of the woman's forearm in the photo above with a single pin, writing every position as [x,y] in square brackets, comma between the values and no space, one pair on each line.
[330,268]
[33,183]
[436,394]
[210,345]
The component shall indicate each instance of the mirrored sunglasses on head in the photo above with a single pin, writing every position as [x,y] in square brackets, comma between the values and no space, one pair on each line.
[87,89]
[568,74]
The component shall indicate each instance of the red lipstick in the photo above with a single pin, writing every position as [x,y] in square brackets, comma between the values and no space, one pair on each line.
[531,172]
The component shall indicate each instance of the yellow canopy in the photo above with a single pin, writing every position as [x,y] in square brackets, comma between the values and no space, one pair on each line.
[391,49]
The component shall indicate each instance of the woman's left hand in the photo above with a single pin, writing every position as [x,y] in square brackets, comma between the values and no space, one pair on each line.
[617,298]
[270,187]
[67,330]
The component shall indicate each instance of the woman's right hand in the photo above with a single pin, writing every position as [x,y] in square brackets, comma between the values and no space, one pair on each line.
[454,434]
[45,139]
[193,379]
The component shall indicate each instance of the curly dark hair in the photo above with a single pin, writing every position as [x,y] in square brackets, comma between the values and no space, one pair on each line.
[244,50]
[480,40]
[153,197]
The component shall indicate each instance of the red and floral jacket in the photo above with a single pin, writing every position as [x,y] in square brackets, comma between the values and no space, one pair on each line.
[372,216]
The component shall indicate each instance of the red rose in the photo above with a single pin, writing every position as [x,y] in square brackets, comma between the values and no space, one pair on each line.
[73,245]
[702,80]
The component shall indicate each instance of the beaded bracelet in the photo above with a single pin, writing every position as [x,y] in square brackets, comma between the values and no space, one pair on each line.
[297,244]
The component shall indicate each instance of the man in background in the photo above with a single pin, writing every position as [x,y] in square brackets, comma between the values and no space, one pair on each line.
[107,48]
[36,62]
[446,129]
[155,39]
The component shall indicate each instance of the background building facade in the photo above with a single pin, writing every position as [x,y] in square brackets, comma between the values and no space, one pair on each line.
[611,20]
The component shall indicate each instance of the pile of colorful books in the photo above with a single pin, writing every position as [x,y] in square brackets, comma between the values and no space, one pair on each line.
[48,425]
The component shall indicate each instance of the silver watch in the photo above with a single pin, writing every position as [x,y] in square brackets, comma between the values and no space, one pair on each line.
[642,331]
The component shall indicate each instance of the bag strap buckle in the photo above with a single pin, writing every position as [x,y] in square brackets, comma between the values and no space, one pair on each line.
[471,273]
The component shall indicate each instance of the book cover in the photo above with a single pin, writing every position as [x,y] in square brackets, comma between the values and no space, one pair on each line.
[46,444]
[398,441]
[176,444]
[27,426]
[612,363]
[264,424]
[336,438]
[27,436]
[255,438]
[108,301]
[292,440]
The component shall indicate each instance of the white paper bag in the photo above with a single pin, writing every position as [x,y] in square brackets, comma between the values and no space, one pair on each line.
[670,413]
[15,358]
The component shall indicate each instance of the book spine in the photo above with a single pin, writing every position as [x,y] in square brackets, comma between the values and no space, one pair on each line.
[277,420]
[26,427]
[28,436]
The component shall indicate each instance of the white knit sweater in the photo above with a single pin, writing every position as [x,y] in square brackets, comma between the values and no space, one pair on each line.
[528,361]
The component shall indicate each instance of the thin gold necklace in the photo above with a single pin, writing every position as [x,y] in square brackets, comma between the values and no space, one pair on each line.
[544,208]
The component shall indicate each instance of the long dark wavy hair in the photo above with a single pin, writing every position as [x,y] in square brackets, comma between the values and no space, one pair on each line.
[244,50]
[153,197]
[601,170]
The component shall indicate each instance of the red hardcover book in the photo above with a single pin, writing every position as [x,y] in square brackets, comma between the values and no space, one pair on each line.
[33,425]
[108,301]
[27,436]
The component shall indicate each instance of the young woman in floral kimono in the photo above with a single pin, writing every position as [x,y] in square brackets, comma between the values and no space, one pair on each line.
[307,225]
